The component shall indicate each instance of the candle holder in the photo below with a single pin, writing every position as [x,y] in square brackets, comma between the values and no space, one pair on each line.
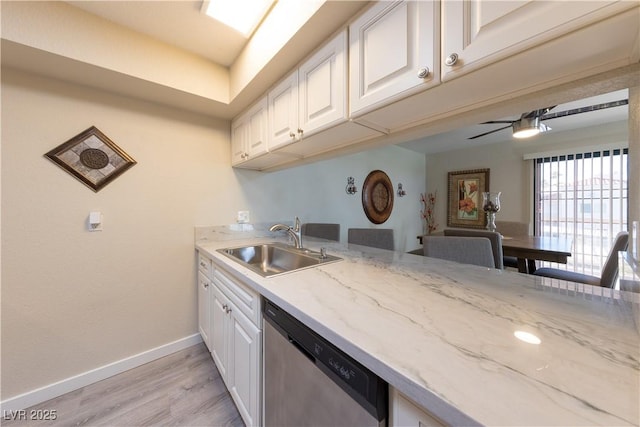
[491,205]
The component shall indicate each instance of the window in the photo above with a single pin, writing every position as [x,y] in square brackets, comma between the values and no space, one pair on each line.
[584,197]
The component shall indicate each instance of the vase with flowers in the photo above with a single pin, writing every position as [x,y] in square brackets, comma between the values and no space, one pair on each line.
[428,212]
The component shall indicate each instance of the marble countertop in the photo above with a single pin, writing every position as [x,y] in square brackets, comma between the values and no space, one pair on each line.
[443,334]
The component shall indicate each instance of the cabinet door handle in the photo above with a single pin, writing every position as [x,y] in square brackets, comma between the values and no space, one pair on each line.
[225,307]
[451,60]
[423,73]
[300,131]
[228,310]
[205,284]
[292,135]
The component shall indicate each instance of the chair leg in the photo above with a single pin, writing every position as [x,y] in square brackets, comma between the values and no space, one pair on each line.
[522,265]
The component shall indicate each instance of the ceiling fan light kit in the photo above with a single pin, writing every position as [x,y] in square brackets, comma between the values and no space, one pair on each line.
[530,123]
[527,127]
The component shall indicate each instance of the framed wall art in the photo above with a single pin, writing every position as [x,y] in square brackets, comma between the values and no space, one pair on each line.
[92,158]
[465,190]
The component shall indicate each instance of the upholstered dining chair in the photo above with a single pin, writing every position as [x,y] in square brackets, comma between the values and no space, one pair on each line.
[465,250]
[374,237]
[322,230]
[494,237]
[511,229]
[609,271]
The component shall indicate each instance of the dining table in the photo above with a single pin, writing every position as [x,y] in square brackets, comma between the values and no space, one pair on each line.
[529,249]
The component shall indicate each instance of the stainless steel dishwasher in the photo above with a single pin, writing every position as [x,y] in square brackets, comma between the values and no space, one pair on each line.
[310,382]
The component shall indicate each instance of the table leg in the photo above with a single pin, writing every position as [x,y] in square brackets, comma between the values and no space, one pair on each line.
[531,264]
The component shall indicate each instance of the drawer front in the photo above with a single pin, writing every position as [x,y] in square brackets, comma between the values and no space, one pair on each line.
[247,300]
[204,265]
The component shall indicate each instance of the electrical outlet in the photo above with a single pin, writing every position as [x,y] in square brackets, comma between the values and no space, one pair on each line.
[243,217]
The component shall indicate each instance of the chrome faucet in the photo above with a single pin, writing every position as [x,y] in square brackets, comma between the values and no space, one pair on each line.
[295,232]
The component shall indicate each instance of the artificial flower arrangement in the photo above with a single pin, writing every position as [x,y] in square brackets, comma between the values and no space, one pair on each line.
[428,213]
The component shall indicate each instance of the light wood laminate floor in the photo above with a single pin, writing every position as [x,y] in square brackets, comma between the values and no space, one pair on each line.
[182,389]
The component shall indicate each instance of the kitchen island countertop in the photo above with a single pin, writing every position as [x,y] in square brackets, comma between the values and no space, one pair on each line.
[443,334]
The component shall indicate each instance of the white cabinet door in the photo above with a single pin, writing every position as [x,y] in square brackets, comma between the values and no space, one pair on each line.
[236,344]
[322,87]
[204,300]
[391,46]
[283,112]
[244,365]
[256,142]
[239,136]
[220,332]
[249,134]
[404,413]
[482,32]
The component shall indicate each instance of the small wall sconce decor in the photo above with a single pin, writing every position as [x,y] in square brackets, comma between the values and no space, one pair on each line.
[401,192]
[351,186]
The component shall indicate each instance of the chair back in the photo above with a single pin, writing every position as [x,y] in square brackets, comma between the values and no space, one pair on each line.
[512,228]
[494,237]
[322,230]
[610,268]
[374,237]
[465,250]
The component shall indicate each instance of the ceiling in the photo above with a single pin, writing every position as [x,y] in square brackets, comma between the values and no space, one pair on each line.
[458,138]
[180,23]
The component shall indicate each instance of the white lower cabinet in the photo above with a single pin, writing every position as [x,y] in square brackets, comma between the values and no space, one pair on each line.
[205,269]
[204,309]
[404,413]
[236,344]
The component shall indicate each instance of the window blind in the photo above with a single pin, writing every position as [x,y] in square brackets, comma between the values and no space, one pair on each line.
[583,196]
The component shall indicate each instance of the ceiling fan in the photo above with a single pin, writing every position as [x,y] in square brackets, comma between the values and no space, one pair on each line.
[530,123]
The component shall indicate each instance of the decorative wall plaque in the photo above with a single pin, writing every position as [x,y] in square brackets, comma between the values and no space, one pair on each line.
[377,197]
[92,158]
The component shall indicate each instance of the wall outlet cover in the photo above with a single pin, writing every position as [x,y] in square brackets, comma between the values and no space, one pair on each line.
[243,217]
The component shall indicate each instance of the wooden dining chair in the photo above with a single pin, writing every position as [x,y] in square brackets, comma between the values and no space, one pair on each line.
[609,271]
[374,237]
[465,250]
[494,237]
[322,230]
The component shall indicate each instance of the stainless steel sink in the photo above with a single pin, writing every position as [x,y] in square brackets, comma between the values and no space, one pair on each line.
[270,259]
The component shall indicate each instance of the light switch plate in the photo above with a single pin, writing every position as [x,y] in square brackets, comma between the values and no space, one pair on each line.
[94,222]
[243,217]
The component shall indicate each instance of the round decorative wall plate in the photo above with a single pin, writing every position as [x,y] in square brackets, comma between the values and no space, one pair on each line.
[377,197]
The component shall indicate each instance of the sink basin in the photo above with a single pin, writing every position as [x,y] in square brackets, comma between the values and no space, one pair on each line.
[271,259]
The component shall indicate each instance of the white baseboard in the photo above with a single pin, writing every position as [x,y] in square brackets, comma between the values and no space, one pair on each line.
[59,388]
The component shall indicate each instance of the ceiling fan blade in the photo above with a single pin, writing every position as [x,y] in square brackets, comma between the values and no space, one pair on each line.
[496,121]
[537,113]
[585,109]
[491,131]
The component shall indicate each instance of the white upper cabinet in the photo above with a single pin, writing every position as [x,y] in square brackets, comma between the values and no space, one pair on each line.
[322,89]
[249,134]
[283,112]
[480,32]
[311,98]
[508,49]
[394,49]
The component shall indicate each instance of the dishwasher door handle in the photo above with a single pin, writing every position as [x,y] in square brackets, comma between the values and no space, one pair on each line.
[301,349]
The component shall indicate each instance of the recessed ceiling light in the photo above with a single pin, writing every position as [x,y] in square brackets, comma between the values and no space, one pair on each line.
[241,15]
